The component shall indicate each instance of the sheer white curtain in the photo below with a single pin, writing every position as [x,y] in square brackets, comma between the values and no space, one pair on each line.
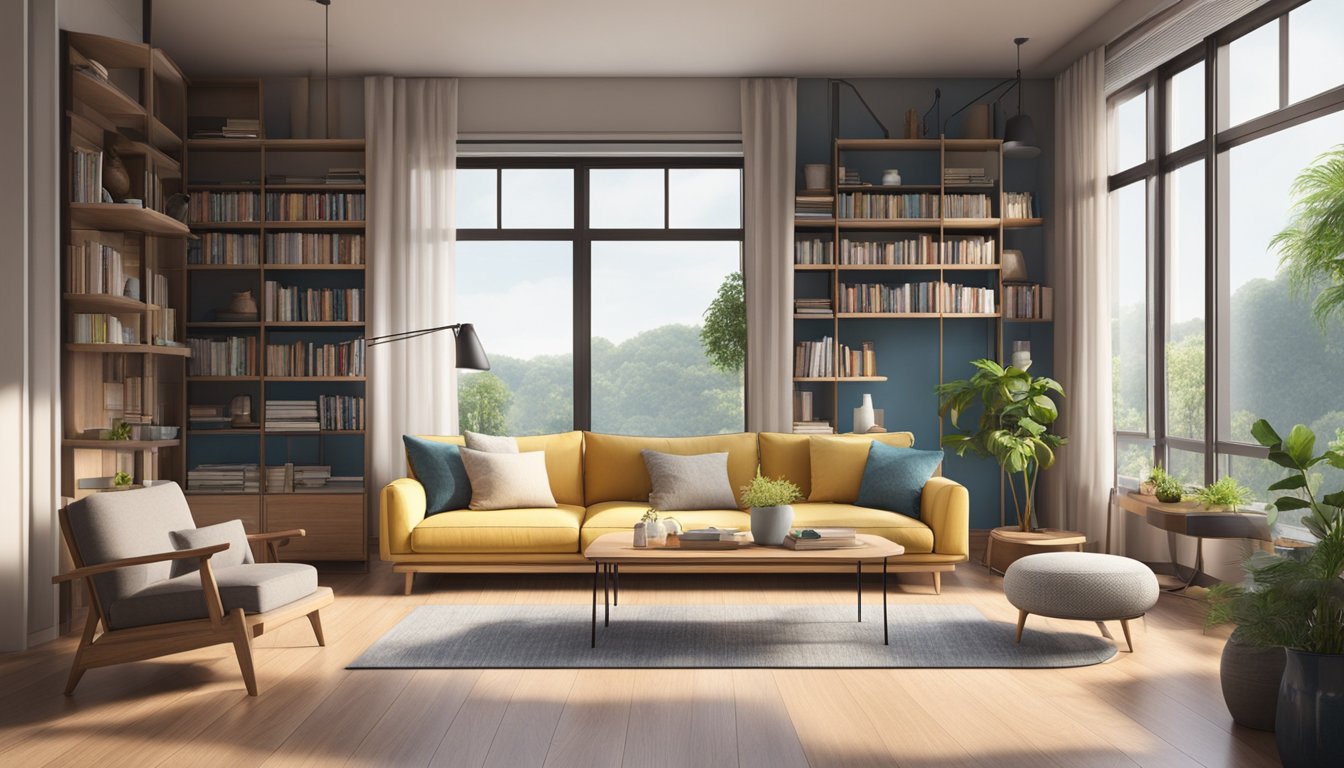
[1078,487]
[411,145]
[769,138]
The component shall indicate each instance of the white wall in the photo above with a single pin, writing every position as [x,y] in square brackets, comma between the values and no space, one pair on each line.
[114,18]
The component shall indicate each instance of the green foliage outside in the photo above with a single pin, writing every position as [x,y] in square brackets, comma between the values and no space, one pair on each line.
[1311,245]
[482,401]
[724,333]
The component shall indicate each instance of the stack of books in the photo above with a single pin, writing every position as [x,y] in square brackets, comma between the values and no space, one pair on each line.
[345,483]
[229,128]
[818,427]
[294,478]
[965,176]
[292,416]
[820,306]
[813,205]
[311,478]
[712,538]
[850,177]
[208,417]
[224,478]
[345,176]
[803,407]
[822,538]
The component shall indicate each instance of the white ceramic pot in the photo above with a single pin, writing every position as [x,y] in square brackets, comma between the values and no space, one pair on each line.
[769,525]
[655,533]
[863,415]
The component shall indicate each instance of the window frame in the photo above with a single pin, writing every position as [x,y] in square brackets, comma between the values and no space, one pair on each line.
[1154,172]
[582,236]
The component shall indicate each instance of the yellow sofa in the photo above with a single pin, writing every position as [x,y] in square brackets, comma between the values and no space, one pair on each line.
[600,486]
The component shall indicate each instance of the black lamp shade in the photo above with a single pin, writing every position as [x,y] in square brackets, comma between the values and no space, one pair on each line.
[1019,137]
[470,353]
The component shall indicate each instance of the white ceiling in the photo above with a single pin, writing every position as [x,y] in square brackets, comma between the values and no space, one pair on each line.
[635,38]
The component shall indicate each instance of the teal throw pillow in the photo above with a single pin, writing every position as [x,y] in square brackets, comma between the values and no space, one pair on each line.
[894,477]
[439,468]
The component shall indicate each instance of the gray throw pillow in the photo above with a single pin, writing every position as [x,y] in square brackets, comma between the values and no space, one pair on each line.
[230,532]
[490,443]
[508,480]
[692,482]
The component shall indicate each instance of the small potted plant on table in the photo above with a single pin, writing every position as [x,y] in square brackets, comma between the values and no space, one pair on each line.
[771,503]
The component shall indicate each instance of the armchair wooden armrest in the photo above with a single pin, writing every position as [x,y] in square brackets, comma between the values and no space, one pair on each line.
[203,553]
[276,539]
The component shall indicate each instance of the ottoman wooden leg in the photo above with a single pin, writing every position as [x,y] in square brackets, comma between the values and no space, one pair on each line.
[1021,622]
[1124,626]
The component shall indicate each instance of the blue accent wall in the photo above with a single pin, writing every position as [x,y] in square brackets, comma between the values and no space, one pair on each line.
[907,350]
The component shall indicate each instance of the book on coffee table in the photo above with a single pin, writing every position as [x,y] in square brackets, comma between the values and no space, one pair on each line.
[712,538]
[822,538]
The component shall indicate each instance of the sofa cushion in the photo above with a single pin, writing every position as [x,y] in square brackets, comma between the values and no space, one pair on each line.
[611,516]
[837,468]
[916,537]
[564,461]
[688,482]
[614,469]
[508,480]
[790,456]
[490,443]
[895,477]
[439,468]
[229,532]
[255,588]
[538,531]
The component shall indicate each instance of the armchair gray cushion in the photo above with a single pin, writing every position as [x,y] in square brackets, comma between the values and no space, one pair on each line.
[229,532]
[255,588]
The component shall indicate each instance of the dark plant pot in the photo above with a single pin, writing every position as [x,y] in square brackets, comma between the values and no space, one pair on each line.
[1250,676]
[1309,726]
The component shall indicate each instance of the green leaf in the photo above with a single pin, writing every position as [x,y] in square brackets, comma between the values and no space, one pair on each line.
[1283,460]
[1289,483]
[1301,444]
[1031,426]
[1335,458]
[1265,434]
[1334,499]
[1285,503]
[1045,404]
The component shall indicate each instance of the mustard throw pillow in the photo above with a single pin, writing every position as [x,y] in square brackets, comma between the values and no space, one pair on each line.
[837,468]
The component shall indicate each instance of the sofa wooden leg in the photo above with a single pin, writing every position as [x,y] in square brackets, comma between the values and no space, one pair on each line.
[316,621]
[242,645]
[937,582]
[1021,622]
[410,580]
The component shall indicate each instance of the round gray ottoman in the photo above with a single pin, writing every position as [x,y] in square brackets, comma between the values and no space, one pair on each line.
[1080,585]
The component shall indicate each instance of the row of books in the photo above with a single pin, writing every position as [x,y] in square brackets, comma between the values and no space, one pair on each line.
[307,358]
[814,251]
[1028,302]
[965,175]
[314,248]
[294,304]
[813,359]
[965,299]
[208,416]
[86,176]
[163,326]
[95,267]
[338,412]
[102,328]
[911,250]
[232,356]
[315,206]
[292,416]
[280,478]
[225,248]
[858,362]
[813,306]
[886,205]
[215,207]
[813,206]
[977,250]
[804,401]
[224,478]
[1018,205]
[883,297]
[292,478]
[967,207]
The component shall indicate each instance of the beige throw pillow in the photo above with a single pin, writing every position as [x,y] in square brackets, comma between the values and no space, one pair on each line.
[490,443]
[508,480]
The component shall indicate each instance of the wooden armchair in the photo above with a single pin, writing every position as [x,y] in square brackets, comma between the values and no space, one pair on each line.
[123,547]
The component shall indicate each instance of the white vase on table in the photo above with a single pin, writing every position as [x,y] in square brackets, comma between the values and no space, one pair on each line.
[863,415]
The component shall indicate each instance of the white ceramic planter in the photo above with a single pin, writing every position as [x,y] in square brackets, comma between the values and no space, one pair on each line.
[769,525]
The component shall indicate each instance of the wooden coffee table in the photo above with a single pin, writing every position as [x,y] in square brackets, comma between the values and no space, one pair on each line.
[609,551]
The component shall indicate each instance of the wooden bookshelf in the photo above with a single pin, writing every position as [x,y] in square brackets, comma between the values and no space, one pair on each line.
[815,280]
[335,518]
[132,113]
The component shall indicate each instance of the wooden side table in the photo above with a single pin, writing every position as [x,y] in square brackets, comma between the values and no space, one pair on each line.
[1010,543]
[1189,519]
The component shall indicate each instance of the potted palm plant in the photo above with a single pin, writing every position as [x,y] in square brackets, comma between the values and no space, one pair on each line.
[1016,411]
[1298,604]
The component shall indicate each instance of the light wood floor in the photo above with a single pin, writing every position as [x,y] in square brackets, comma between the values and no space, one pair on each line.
[1160,706]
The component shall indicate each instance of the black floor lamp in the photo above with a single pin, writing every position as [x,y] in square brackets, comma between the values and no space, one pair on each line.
[470,354]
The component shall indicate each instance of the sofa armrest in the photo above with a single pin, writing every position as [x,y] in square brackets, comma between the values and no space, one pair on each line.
[401,507]
[945,506]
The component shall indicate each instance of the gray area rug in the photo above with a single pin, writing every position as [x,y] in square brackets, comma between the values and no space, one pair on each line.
[719,636]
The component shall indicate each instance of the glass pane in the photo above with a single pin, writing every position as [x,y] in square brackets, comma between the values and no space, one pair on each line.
[653,373]
[1282,365]
[520,296]
[538,198]
[1185,303]
[1186,466]
[1315,48]
[1185,107]
[1133,461]
[1253,74]
[704,198]
[476,200]
[625,198]
[1129,316]
[1129,133]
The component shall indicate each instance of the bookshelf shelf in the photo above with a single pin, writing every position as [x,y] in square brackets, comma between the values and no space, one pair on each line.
[314,267]
[135,349]
[223,378]
[222,267]
[118,445]
[813,267]
[889,267]
[104,302]
[316,378]
[888,145]
[970,223]
[106,99]
[1022,223]
[118,217]
[312,225]
[315,324]
[226,225]
[813,223]
[217,324]
[887,315]
[897,224]
[316,187]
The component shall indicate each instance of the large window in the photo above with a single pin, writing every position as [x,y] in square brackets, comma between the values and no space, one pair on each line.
[1224,337]
[590,283]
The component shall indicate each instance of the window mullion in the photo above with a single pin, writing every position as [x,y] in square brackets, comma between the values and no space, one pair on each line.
[1215,255]
[583,301]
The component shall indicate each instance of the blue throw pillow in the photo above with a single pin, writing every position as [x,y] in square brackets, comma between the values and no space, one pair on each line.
[894,477]
[439,468]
